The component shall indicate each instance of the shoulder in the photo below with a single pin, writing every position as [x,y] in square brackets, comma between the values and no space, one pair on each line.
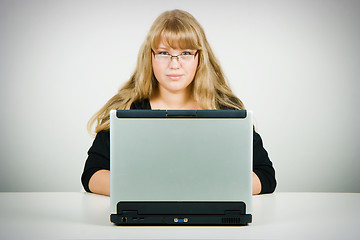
[141,104]
[223,107]
[103,134]
[101,142]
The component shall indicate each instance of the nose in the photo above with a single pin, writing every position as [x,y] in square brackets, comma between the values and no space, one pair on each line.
[174,64]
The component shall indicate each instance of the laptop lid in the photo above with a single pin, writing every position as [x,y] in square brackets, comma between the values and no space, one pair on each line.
[180,155]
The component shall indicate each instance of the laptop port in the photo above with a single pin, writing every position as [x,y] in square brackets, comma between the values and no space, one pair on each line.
[181,220]
[124,219]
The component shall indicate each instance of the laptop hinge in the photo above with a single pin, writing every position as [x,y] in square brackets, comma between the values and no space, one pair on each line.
[131,213]
[180,113]
[230,212]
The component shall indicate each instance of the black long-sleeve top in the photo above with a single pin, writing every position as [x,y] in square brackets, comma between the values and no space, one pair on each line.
[99,157]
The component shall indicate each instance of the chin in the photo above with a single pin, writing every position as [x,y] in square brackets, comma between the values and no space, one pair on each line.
[175,86]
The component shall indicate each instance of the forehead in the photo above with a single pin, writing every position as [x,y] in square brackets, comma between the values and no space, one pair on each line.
[165,46]
[175,40]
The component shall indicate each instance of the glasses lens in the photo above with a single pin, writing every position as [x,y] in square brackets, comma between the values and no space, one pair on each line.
[186,58]
[163,58]
[181,58]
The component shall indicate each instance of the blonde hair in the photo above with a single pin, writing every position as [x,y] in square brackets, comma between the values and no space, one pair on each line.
[177,29]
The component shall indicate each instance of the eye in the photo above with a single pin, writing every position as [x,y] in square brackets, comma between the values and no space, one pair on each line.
[186,53]
[163,53]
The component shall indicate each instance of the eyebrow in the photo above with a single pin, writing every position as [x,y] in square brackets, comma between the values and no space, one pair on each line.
[162,48]
[167,49]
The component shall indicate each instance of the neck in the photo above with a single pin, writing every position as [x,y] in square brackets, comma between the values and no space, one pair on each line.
[164,99]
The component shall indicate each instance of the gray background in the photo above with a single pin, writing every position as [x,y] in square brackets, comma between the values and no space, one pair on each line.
[294,63]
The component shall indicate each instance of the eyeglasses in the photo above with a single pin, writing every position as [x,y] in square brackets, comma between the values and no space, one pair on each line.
[165,57]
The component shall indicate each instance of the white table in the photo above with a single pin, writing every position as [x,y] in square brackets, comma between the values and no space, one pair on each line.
[76,215]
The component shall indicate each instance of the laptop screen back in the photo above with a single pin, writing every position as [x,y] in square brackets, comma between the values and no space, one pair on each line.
[180,157]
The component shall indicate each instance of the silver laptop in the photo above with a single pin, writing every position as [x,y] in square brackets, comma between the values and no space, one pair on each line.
[181,167]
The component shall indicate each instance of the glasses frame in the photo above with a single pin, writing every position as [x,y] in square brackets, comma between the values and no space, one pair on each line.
[175,56]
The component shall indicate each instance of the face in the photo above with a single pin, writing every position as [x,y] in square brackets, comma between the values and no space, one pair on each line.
[174,75]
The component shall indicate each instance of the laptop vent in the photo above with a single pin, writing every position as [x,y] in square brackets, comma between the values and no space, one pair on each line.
[230,220]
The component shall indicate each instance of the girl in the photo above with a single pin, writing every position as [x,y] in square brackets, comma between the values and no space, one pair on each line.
[176,69]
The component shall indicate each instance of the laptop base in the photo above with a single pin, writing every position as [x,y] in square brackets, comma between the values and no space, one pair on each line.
[181,213]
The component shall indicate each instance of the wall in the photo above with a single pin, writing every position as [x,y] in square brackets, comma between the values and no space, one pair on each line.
[294,63]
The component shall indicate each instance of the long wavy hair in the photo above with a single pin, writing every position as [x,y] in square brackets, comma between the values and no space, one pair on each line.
[177,29]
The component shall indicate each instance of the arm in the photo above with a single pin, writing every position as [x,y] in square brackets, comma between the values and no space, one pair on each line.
[262,168]
[96,175]
[100,182]
[256,184]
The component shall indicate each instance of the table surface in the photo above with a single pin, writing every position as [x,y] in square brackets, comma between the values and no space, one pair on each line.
[79,215]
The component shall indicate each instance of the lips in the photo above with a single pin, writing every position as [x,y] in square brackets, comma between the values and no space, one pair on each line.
[174,76]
